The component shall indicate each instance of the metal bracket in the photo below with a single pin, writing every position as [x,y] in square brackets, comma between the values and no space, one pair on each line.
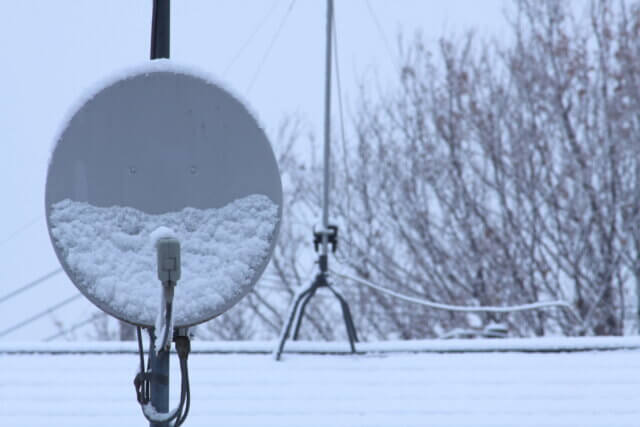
[332,238]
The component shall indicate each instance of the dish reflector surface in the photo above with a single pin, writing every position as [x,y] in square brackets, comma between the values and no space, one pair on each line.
[163,147]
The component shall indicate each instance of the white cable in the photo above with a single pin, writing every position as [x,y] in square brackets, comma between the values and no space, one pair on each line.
[467,309]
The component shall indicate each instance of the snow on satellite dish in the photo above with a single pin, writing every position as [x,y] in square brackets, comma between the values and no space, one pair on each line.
[163,151]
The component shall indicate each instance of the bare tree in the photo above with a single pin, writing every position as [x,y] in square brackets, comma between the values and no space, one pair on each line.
[493,173]
[498,173]
[501,175]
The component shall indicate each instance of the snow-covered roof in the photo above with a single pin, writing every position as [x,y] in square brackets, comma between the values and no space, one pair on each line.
[535,345]
[589,388]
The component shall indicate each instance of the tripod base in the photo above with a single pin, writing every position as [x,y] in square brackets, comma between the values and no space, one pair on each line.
[299,306]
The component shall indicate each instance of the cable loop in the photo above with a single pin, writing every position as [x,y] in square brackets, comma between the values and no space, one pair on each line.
[467,309]
[142,384]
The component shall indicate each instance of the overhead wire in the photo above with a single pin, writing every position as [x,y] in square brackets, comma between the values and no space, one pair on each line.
[30,285]
[248,41]
[340,104]
[72,328]
[383,35]
[35,317]
[270,46]
[20,230]
[339,86]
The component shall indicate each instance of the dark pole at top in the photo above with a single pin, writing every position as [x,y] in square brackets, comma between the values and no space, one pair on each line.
[159,359]
[160,29]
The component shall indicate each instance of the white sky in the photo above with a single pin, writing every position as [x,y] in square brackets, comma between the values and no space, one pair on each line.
[54,51]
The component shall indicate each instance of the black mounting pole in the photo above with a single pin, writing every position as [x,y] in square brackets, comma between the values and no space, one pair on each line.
[159,358]
[160,29]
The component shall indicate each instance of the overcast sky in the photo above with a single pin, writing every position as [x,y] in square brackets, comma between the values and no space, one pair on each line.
[55,51]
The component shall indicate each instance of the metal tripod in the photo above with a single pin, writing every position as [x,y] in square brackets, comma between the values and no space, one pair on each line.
[304,296]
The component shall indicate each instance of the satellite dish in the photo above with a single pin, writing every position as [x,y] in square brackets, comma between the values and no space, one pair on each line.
[163,147]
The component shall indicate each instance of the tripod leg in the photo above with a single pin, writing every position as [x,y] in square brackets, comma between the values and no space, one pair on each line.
[348,320]
[346,312]
[287,327]
[298,320]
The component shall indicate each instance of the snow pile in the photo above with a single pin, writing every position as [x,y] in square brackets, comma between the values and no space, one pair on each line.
[162,232]
[112,255]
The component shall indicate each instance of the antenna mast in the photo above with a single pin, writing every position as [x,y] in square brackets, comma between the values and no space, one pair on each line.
[329,233]
[327,137]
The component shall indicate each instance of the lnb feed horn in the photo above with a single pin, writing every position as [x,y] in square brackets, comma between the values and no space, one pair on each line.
[168,250]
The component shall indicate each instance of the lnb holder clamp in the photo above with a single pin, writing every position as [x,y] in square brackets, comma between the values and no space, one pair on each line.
[332,237]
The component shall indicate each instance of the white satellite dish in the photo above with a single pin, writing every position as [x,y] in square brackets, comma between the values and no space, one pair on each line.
[163,147]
